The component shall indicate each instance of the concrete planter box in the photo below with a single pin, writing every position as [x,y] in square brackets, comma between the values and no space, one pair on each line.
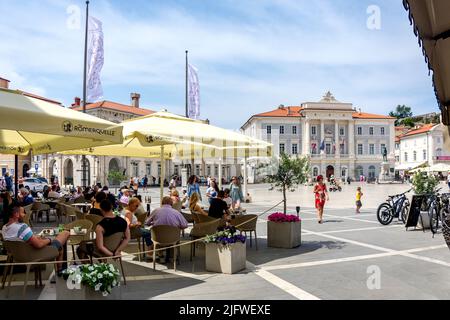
[225,259]
[284,234]
[84,293]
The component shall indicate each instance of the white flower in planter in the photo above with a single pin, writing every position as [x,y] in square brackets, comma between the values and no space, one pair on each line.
[99,276]
[97,286]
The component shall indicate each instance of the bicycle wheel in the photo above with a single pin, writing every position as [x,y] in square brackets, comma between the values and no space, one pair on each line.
[404,214]
[385,214]
[434,218]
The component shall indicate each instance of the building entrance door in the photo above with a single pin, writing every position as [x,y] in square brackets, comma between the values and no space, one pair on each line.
[330,171]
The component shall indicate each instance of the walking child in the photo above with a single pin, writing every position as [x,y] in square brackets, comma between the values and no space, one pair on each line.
[359,194]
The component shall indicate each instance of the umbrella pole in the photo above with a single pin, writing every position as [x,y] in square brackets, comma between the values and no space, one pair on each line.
[245,175]
[16,180]
[163,169]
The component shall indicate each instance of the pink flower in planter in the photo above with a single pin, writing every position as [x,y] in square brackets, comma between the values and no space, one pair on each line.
[281,217]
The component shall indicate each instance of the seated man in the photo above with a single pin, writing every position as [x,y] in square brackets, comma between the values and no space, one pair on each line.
[25,197]
[53,193]
[218,208]
[110,225]
[167,216]
[16,230]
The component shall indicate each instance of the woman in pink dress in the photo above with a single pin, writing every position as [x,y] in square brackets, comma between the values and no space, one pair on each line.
[321,195]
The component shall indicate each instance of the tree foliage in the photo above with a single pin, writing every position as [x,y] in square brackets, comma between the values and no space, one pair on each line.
[423,183]
[115,177]
[287,173]
[401,112]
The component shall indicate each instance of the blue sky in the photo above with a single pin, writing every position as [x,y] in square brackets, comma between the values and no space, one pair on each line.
[252,55]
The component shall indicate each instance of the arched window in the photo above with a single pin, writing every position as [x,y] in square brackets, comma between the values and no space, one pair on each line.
[438,152]
[359,171]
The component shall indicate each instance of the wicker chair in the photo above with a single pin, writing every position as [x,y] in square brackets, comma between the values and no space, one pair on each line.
[165,236]
[95,219]
[28,213]
[201,230]
[22,252]
[112,242]
[77,239]
[39,207]
[73,213]
[136,233]
[80,200]
[246,223]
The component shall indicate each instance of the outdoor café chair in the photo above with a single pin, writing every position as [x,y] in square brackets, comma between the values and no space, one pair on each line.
[246,223]
[80,200]
[22,252]
[39,207]
[77,239]
[136,233]
[166,236]
[73,213]
[28,213]
[201,230]
[112,242]
[95,219]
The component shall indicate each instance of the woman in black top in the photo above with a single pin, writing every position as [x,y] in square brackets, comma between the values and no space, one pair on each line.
[108,226]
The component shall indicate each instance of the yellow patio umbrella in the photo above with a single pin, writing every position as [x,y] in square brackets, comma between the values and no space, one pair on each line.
[19,112]
[32,124]
[170,136]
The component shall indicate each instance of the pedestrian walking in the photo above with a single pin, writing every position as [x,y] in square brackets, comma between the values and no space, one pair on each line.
[145,183]
[321,195]
[359,194]
[8,182]
[236,193]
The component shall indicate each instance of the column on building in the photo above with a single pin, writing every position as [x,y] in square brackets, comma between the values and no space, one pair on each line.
[306,137]
[351,138]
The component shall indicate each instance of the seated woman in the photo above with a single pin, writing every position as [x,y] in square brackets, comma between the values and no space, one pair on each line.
[175,196]
[194,206]
[105,228]
[99,197]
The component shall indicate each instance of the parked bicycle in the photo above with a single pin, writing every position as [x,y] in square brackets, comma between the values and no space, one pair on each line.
[396,206]
[438,210]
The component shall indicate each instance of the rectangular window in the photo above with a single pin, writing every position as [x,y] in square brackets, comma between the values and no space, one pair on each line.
[208,170]
[382,147]
[371,148]
[294,148]
[281,148]
[406,156]
[197,169]
[216,171]
[397,146]
[360,149]
[176,170]
[341,131]
[371,131]
[313,130]
[269,129]
[342,148]
[135,166]
[359,131]
[294,129]
[148,169]
[159,169]
[397,159]
[281,129]
[328,148]
[415,156]
[424,154]
[382,131]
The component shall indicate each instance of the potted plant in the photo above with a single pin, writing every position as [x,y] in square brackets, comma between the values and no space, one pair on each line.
[225,251]
[284,231]
[89,282]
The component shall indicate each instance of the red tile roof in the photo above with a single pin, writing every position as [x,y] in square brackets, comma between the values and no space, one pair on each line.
[115,106]
[32,95]
[290,111]
[425,128]
[4,79]
[364,115]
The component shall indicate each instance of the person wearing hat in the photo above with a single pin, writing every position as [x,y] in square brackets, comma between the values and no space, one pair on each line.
[321,195]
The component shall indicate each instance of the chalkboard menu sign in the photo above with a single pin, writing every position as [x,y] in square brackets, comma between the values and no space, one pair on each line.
[414,210]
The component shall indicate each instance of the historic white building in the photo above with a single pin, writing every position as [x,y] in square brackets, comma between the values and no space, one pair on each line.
[340,140]
[424,145]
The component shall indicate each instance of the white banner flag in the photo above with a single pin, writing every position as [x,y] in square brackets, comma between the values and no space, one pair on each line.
[193,93]
[95,60]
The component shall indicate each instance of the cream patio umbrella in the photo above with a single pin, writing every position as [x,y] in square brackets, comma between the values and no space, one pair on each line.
[440,167]
[31,124]
[170,136]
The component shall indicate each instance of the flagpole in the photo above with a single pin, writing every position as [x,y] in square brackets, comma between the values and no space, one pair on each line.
[187,114]
[83,158]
